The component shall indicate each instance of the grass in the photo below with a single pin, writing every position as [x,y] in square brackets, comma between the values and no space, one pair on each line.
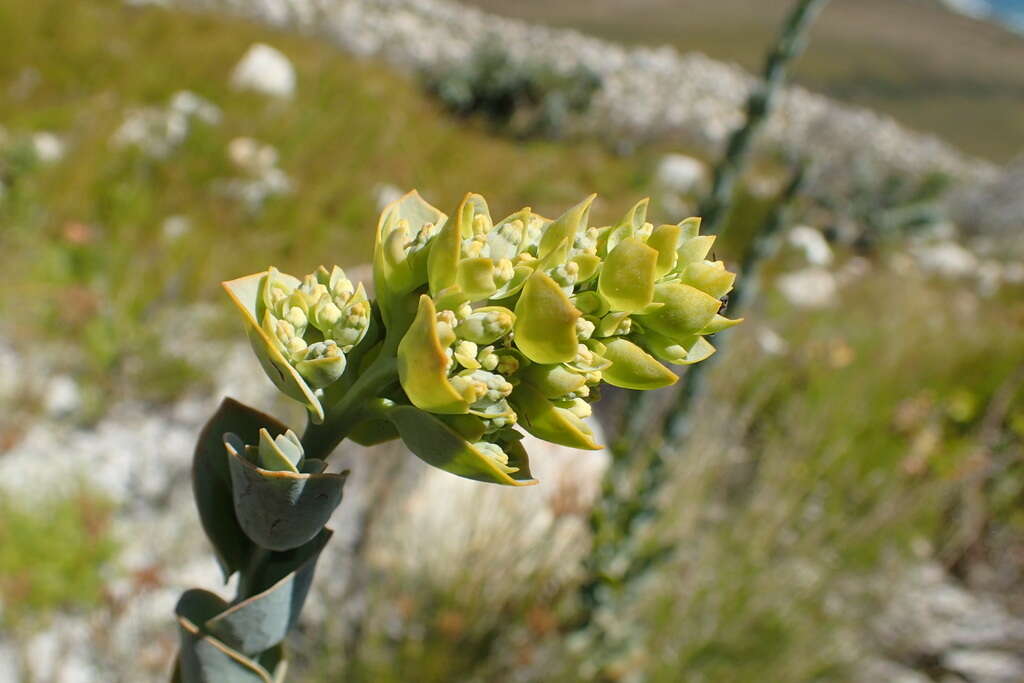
[52,556]
[813,477]
[929,68]
[812,472]
[84,247]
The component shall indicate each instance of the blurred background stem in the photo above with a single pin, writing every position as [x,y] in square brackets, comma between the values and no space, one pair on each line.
[630,488]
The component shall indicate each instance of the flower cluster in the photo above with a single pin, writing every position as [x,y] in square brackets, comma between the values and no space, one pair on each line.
[302,330]
[494,326]
[525,317]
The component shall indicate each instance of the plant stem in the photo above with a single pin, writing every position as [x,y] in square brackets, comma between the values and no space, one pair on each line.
[714,210]
[248,574]
[631,485]
[320,440]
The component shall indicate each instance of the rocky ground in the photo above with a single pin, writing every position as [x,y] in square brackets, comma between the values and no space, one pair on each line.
[138,457]
[647,93]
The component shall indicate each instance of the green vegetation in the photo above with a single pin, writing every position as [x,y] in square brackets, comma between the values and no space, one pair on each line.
[53,556]
[892,421]
[84,242]
[811,478]
[929,68]
[522,99]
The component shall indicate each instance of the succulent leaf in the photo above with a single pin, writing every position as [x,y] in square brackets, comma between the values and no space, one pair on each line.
[685,310]
[545,327]
[281,509]
[565,227]
[633,368]
[423,365]
[710,278]
[542,418]
[245,293]
[435,442]
[628,276]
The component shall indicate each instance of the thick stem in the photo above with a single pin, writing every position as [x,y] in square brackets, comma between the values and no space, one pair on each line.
[714,210]
[320,440]
[247,575]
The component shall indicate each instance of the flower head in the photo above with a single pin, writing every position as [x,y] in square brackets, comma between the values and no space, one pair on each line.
[525,317]
[494,326]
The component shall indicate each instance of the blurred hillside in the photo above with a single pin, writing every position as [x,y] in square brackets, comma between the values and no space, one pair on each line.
[849,508]
[931,69]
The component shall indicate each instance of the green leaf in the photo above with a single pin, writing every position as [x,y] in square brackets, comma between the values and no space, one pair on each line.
[443,260]
[691,228]
[245,293]
[687,352]
[665,240]
[711,278]
[628,226]
[554,381]
[400,271]
[545,329]
[588,265]
[281,510]
[204,658]
[695,249]
[542,418]
[719,323]
[211,480]
[565,227]
[280,586]
[441,446]
[475,277]
[685,311]
[634,368]
[373,432]
[628,276]
[423,365]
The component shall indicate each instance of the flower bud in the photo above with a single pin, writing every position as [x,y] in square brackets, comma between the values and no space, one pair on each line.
[486,325]
[494,452]
[351,326]
[465,353]
[488,359]
[323,364]
[325,314]
[584,329]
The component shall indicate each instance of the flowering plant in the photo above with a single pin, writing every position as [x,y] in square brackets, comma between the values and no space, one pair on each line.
[477,330]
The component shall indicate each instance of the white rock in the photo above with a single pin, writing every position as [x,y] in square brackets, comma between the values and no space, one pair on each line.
[1013,273]
[540,525]
[63,397]
[988,666]
[812,287]
[175,227]
[188,103]
[266,70]
[947,259]
[252,156]
[156,132]
[10,669]
[680,173]
[813,244]
[770,341]
[990,277]
[385,193]
[48,147]
[854,269]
